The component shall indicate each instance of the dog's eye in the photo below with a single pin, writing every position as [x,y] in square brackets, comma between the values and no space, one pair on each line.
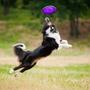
[53,30]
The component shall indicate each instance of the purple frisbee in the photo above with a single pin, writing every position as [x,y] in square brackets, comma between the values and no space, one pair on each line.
[49,10]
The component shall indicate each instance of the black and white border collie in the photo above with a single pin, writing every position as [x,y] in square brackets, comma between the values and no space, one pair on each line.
[51,41]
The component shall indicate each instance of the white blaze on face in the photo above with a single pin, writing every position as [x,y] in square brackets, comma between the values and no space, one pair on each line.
[54,35]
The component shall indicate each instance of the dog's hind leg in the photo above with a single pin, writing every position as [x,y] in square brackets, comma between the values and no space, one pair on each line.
[18,67]
[27,67]
[12,70]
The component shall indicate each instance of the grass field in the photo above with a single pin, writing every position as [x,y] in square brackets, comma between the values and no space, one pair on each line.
[74,77]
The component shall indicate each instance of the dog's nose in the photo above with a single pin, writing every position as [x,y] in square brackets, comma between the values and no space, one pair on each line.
[47,20]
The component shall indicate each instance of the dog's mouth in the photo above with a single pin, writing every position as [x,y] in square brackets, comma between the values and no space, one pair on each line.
[47,21]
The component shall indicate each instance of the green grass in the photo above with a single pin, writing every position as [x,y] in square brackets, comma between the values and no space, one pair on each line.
[75,77]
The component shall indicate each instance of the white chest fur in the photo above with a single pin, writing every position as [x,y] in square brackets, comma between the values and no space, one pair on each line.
[56,36]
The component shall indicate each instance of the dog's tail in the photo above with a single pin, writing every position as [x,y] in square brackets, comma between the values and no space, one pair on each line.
[19,50]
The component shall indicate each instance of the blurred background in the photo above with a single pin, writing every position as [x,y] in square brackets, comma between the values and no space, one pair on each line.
[66,69]
[22,21]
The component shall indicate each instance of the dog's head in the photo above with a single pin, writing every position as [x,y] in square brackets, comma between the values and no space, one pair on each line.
[49,28]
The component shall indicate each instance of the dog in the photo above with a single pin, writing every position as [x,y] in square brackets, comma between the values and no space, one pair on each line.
[51,41]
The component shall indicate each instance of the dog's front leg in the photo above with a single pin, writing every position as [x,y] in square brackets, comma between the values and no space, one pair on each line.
[27,67]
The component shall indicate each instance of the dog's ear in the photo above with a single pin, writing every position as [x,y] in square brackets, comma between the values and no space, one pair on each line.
[45,27]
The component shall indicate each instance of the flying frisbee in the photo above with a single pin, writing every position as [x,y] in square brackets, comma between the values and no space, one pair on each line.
[49,10]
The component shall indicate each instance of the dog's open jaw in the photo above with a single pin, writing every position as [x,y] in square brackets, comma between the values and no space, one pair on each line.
[20,45]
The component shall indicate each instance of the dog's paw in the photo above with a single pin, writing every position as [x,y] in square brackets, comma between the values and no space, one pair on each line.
[11,71]
[69,45]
